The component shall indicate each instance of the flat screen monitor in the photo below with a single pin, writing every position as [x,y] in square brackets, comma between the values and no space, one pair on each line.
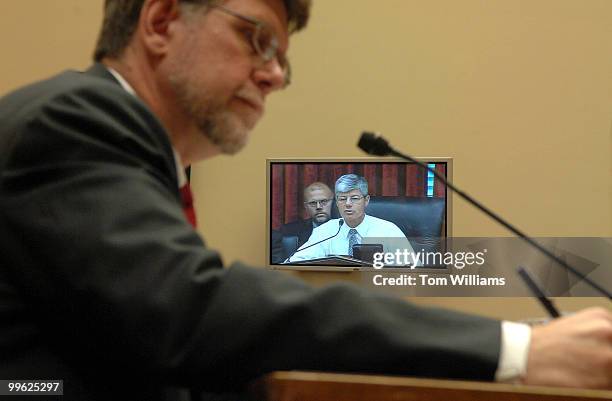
[387,200]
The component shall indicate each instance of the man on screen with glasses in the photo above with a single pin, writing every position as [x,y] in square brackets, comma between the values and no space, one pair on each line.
[318,202]
[354,227]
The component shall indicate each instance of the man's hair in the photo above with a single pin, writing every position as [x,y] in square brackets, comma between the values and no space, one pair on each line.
[349,182]
[121,18]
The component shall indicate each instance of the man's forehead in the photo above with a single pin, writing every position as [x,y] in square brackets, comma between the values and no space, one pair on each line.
[320,193]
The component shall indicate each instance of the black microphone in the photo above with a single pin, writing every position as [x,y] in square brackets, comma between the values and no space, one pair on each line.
[340,223]
[376,145]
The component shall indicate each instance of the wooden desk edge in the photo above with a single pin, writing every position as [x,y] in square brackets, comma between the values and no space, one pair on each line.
[278,386]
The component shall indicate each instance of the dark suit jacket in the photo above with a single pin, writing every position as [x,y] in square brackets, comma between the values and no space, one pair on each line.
[104,284]
[300,229]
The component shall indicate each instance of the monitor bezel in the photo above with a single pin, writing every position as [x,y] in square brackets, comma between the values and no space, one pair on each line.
[360,160]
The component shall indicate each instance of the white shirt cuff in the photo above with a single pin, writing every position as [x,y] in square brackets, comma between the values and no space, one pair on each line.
[515,339]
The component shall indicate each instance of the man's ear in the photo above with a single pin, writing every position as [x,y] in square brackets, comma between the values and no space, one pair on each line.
[367,200]
[153,25]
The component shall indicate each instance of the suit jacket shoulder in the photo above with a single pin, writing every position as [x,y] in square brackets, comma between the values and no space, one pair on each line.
[299,228]
[76,108]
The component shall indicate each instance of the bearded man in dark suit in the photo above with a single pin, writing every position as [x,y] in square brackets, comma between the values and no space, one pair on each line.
[105,283]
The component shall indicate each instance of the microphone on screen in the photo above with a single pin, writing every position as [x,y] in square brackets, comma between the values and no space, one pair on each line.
[340,223]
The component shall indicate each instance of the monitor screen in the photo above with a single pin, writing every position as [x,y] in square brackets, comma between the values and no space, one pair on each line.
[338,213]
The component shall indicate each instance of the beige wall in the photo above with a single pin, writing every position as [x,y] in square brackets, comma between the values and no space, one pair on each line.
[42,37]
[518,92]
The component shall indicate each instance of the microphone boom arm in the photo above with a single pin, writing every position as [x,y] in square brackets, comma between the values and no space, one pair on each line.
[373,144]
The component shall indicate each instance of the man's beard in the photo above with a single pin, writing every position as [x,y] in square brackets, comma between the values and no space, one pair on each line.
[220,125]
[223,129]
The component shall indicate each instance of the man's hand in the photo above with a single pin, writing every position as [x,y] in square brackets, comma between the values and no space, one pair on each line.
[574,351]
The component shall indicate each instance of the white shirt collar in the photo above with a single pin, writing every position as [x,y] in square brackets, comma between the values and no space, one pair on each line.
[361,227]
[180,170]
[124,84]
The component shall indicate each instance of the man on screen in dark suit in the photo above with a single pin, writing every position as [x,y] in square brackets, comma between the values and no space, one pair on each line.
[104,282]
[318,202]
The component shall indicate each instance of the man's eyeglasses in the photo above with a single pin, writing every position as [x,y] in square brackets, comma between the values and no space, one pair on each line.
[263,41]
[315,204]
[353,199]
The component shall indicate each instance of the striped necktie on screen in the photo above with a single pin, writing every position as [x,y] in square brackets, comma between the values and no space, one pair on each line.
[187,199]
[352,240]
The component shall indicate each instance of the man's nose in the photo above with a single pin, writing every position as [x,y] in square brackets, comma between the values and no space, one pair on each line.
[270,76]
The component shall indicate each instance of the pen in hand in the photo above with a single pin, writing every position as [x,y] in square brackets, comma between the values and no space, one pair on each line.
[538,293]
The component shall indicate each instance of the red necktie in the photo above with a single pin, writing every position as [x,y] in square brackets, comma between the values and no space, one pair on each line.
[188,209]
